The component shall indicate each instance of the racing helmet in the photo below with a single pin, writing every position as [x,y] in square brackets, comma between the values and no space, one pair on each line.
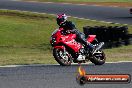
[61,18]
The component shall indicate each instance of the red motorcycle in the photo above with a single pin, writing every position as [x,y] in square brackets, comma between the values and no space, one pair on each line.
[66,49]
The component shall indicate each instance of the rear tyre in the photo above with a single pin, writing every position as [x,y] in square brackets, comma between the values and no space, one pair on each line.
[62,58]
[98,58]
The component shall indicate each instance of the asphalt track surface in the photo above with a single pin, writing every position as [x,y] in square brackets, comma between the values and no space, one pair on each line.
[55,76]
[101,13]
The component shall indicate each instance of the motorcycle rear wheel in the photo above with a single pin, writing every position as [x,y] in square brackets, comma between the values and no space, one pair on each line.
[64,60]
[98,59]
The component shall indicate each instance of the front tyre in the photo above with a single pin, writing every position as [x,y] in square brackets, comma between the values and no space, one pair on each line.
[98,58]
[63,58]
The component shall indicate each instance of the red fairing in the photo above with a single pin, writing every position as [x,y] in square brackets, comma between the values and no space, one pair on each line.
[91,38]
[68,40]
[58,35]
[61,47]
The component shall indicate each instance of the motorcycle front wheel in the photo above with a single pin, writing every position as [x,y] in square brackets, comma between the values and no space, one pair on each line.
[63,58]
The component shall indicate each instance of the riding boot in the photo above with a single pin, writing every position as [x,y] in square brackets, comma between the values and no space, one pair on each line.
[88,46]
[92,48]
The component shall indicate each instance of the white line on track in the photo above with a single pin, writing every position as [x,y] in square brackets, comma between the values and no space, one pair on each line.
[71,16]
[41,65]
[66,3]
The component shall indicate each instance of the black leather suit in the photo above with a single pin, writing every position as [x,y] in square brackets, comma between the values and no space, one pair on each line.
[69,27]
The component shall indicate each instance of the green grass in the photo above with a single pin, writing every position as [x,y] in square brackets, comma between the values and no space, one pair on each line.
[24,38]
[82,0]
[123,53]
[24,56]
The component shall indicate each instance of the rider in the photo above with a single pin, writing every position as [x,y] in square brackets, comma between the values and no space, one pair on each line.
[69,27]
